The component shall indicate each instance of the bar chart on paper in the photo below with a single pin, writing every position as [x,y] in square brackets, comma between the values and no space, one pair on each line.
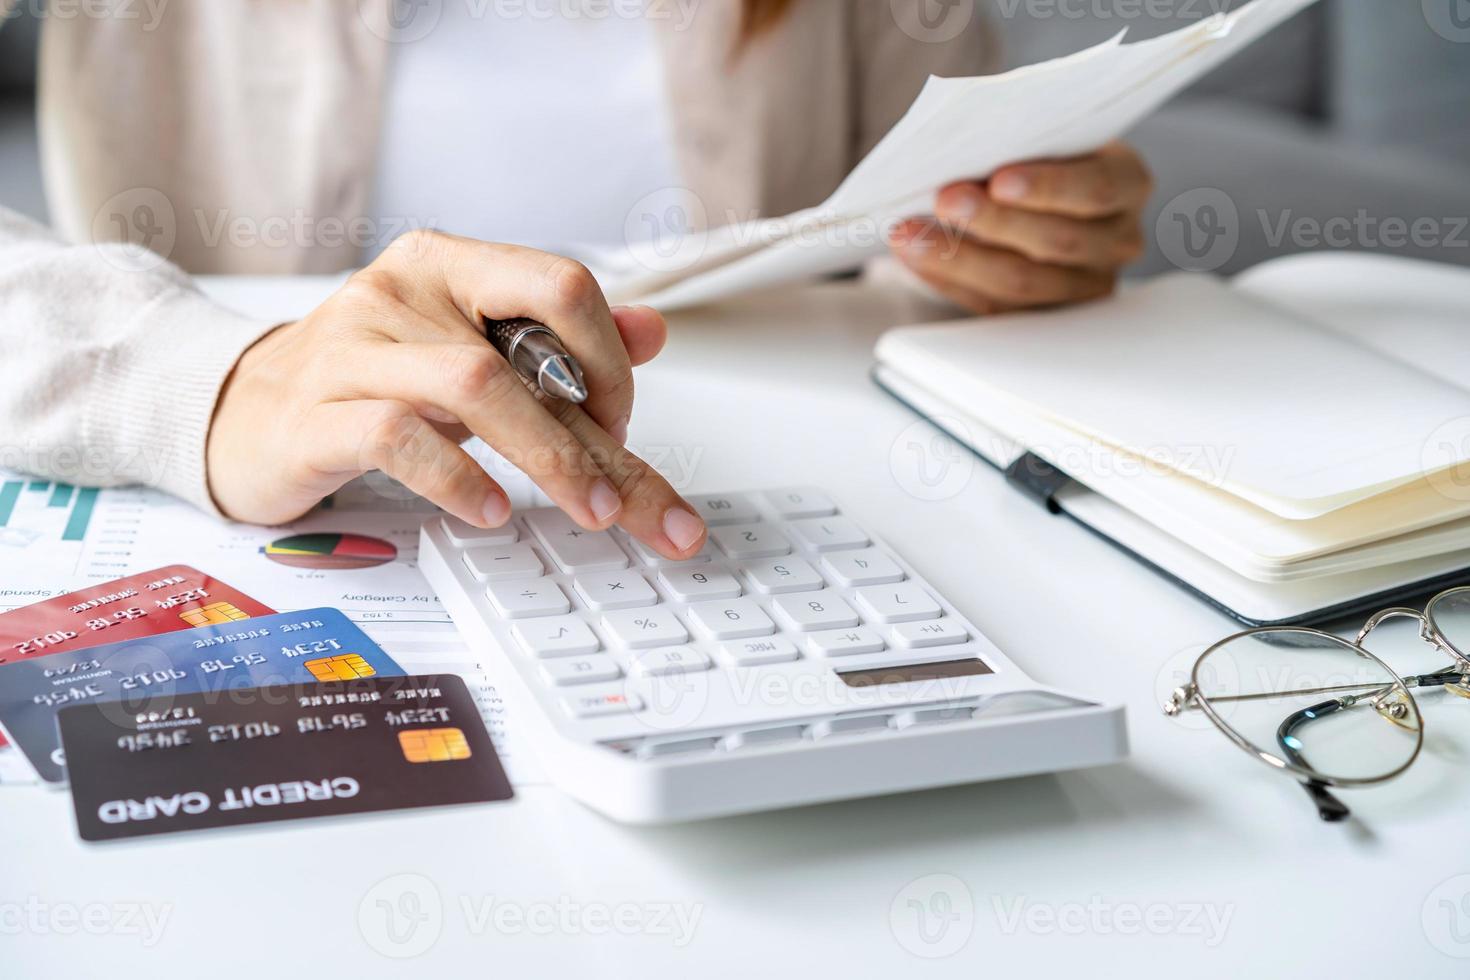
[31,508]
[22,501]
[44,529]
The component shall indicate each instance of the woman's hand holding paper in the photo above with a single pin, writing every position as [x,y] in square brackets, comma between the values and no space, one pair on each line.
[1035,234]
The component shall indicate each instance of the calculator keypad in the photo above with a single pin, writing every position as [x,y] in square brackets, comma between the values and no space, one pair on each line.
[595,609]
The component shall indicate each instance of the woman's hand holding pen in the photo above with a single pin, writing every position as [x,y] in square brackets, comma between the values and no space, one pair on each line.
[393,372]
[1035,234]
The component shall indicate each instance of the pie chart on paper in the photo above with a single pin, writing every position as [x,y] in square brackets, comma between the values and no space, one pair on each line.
[330,552]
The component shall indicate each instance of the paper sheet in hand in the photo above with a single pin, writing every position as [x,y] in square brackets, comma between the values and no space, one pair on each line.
[957,129]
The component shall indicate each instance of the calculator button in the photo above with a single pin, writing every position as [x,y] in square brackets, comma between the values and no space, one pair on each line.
[650,557]
[871,567]
[932,716]
[899,603]
[765,736]
[830,533]
[751,541]
[511,561]
[692,584]
[842,643]
[731,620]
[466,535]
[639,629]
[568,671]
[815,611]
[773,576]
[657,750]
[572,547]
[848,726]
[941,632]
[561,636]
[720,509]
[614,590]
[596,705]
[756,653]
[796,504]
[523,599]
[675,660]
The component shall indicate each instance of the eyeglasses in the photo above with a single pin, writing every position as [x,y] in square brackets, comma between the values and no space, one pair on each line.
[1264,689]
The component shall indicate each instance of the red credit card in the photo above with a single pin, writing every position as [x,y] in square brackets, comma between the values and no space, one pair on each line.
[161,601]
[166,599]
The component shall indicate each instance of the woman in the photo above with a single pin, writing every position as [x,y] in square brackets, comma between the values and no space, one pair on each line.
[258,137]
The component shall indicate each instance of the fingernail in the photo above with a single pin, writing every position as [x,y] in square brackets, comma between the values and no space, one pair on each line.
[682,528]
[619,431]
[1010,186]
[959,203]
[604,501]
[496,509]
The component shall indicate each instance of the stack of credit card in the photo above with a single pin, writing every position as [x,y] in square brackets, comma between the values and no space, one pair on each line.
[170,701]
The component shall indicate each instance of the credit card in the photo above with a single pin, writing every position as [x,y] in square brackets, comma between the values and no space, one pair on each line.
[146,674]
[279,753]
[161,601]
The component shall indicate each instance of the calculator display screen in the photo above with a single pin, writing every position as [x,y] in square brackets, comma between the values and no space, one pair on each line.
[877,676]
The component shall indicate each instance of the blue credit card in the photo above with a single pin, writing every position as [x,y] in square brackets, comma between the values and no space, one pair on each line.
[141,676]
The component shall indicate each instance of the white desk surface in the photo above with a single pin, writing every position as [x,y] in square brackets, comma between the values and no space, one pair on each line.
[1188,860]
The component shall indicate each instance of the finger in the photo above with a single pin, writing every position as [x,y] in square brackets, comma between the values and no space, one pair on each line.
[1097,243]
[653,512]
[498,282]
[474,384]
[1002,275]
[1112,181]
[643,330]
[963,296]
[351,438]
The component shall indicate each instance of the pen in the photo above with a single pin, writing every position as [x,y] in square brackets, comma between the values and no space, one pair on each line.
[538,356]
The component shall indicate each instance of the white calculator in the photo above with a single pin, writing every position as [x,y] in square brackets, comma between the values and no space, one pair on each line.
[796,660]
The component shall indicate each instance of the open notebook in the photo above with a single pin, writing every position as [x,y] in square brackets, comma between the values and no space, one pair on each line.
[1291,444]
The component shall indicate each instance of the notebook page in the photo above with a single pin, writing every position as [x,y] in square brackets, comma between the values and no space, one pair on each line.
[1311,424]
[1407,309]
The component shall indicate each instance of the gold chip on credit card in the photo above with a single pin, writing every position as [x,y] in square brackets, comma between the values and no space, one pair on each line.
[434,745]
[214,614]
[344,668]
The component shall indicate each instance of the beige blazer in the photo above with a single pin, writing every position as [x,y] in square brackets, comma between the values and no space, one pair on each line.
[169,113]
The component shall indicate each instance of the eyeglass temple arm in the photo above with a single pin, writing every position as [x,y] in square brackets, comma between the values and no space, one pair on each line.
[1187,698]
[1329,807]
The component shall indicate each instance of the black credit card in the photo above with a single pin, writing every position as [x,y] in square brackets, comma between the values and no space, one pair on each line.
[282,752]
